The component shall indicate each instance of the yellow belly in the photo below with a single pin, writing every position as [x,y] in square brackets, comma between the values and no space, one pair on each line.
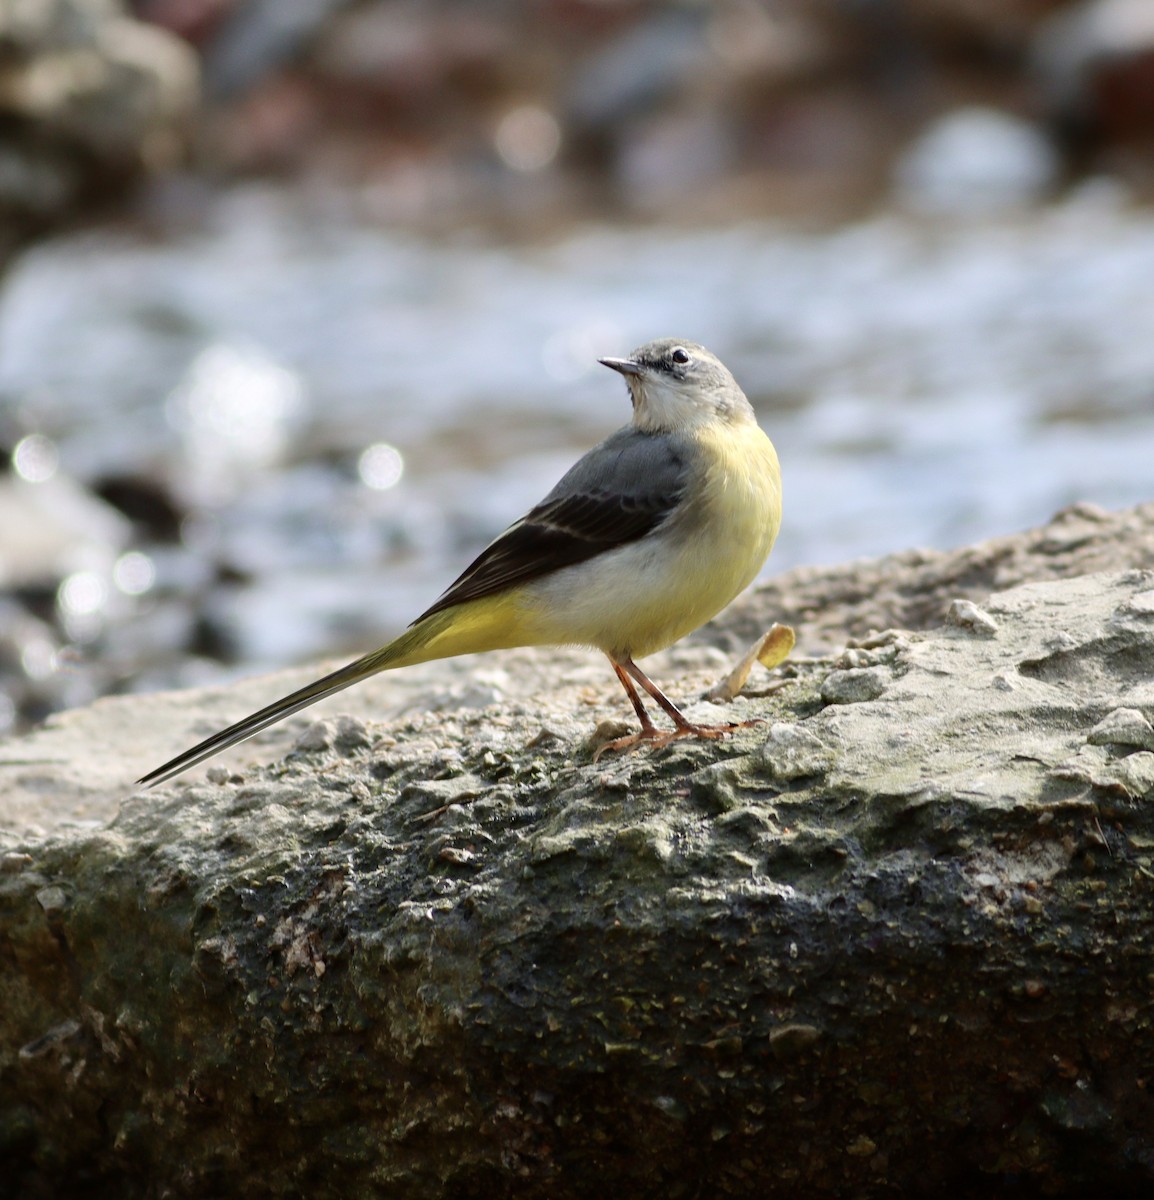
[643,596]
[640,597]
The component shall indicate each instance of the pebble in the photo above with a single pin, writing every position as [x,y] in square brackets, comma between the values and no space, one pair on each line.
[855,685]
[965,614]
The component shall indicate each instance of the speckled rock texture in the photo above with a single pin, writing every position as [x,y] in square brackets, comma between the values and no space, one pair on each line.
[895,941]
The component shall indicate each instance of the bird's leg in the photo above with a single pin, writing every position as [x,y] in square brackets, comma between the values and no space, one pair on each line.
[648,729]
[682,722]
[649,732]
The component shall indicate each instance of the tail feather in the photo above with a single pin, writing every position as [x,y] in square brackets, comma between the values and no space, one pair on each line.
[404,650]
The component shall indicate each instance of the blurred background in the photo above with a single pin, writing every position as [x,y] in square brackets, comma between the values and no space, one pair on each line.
[300,300]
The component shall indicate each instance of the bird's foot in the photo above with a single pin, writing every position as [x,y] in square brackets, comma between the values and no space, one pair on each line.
[652,736]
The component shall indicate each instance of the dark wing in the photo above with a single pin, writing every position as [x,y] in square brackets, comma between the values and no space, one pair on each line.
[617,493]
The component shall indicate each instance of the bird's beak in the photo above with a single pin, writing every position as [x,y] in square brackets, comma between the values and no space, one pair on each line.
[625,365]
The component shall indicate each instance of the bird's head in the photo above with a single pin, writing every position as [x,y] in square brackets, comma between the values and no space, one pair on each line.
[677,385]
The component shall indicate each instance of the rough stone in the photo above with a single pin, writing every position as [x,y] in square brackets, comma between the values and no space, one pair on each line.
[853,685]
[895,946]
[967,615]
[914,588]
[1123,727]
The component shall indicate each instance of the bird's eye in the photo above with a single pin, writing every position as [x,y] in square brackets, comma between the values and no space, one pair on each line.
[680,356]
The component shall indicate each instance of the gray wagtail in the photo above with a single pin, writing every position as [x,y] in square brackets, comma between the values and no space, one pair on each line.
[645,538]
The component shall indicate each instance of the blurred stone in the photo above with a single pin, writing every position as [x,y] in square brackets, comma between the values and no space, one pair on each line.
[29,656]
[58,550]
[761,46]
[260,36]
[192,20]
[28,30]
[734,106]
[976,161]
[1095,61]
[996,22]
[148,503]
[90,99]
[639,70]
[416,54]
[661,157]
[50,528]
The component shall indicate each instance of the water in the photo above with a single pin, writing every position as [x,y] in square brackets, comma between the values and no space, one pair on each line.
[342,414]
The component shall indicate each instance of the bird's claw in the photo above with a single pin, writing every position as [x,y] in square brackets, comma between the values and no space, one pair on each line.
[658,738]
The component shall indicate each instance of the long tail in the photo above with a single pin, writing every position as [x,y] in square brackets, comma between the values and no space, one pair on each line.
[406,649]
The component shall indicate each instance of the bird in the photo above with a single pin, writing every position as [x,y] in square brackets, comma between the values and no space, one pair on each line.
[644,539]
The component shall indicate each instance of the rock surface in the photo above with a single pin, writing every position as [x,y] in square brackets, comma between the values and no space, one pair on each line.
[894,941]
[914,589]
[64,772]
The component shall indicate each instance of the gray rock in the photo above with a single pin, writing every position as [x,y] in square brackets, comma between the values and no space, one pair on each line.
[792,752]
[965,614]
[912,589]
[464,960]
[854,685]
[1123,727]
